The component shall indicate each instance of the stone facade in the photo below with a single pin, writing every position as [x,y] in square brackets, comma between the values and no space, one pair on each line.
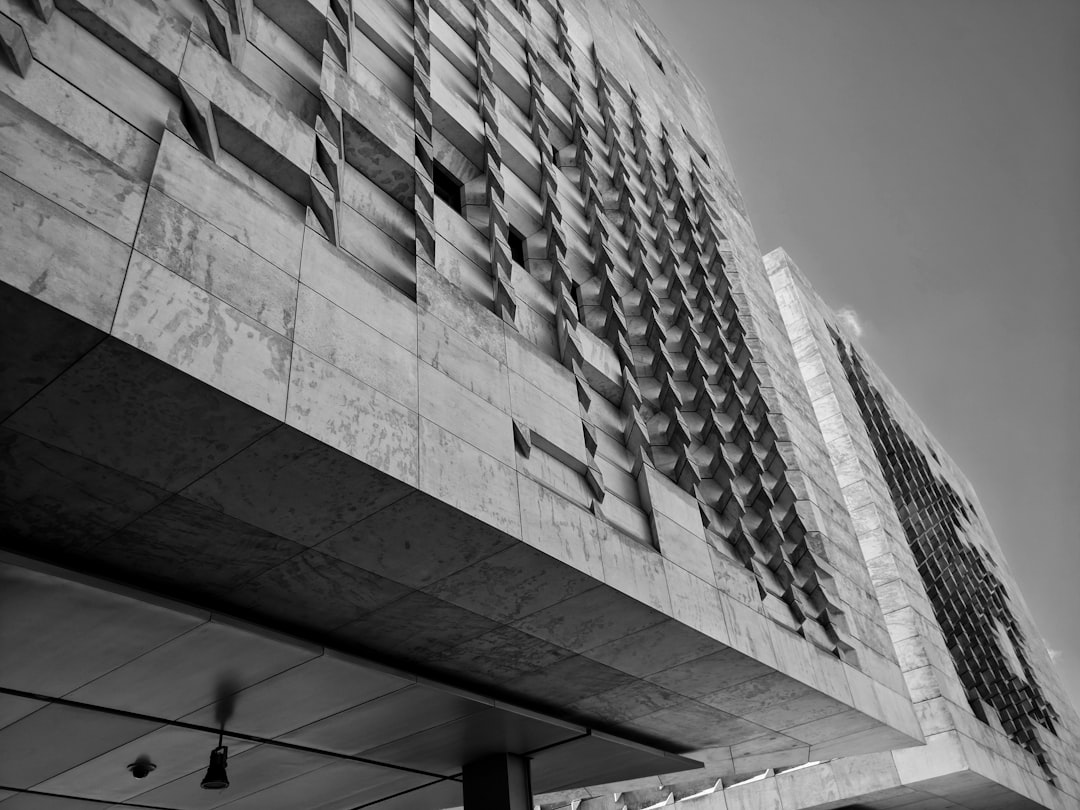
[999,727]
[435,334]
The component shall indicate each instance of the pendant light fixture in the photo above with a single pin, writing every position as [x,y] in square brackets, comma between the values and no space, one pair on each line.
[217,778]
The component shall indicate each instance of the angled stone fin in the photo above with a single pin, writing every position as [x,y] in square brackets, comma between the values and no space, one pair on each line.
[324,206]
[14,45]
[177,127]
[198,116]
[217,21]
[43,8]
[522,439]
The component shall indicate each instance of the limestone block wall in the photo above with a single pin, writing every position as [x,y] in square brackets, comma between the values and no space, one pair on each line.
[999,728]
[989,700]
[445,320]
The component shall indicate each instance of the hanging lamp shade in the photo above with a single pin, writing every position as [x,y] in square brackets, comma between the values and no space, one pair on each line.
[217,778]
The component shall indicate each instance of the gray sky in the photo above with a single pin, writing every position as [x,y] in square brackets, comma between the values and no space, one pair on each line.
[920,161]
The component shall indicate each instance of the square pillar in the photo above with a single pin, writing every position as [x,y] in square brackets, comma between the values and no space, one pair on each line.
[498,782]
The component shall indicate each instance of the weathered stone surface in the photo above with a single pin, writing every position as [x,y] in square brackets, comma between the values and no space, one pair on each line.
[254,110]
[191,247]
[60,168]
[469,417]
[444,337]
[57,257]
[889,516]
[466,477]
[353,417]
[172,548]
[416,541]
[379,251]
[343,593]
[510,585]
[440,298]
[447,350]
[297,487]
[185,176]
[634,569]
[559,528]
[83,117]
[88,63]
[152,36]
[40,342]
[355,347]
[171,319]
[128,411]
[555,428]
[54,499]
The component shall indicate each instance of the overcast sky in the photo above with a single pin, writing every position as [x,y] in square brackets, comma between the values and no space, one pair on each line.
[920,161]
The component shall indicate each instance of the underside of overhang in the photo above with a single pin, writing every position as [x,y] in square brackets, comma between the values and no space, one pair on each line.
[119,465]
[96,677]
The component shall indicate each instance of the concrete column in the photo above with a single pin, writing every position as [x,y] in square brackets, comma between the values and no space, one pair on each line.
[498,782]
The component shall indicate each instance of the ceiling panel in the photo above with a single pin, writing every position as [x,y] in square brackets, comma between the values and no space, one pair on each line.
[250,771]
[58,634]
[385,719]
[263,684]
[445,748]
[437,794]
[33,801]
[413,626]
[327,788]
[599,759]
[60,504]
[56,738]
[297,487]
[378,788]
[98,408]
[40,342]
[302,695]
[175,752]
[211,661]
[13,707]
[189,548]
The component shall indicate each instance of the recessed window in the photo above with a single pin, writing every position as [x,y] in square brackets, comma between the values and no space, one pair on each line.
[697,147]
[447,187]
[650,48]
[517,245]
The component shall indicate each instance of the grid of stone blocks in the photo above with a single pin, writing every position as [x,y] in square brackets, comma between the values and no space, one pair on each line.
[570,360]
[572,352]
[970,602]
[547,431]
[949,599]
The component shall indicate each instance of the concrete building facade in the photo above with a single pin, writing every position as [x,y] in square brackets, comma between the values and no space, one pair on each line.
[394,391]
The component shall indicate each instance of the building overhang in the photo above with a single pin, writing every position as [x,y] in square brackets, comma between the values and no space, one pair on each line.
[96,677]
[121,465]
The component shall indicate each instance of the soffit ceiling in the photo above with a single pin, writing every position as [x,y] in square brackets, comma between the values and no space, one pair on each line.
[95,677]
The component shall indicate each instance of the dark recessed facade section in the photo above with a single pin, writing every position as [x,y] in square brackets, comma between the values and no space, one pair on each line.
[447,187]
[971,603]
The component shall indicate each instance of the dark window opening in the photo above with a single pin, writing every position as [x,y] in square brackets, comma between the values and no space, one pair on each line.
[650,49]
[447,187]
[575,293]
[517,245]
[697,147]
